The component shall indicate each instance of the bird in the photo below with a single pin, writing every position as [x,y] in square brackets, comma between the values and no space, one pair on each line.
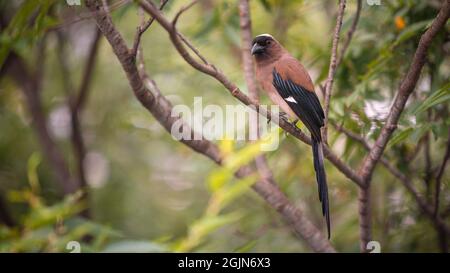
[288,85]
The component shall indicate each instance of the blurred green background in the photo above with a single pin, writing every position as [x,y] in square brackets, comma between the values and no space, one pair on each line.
[149,193]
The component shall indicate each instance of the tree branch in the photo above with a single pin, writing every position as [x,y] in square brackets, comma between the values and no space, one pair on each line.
[406,88]
[406,181]
[31,87]
[333,66]
[161,108]
[350,33]
[143,28]
[439,176]
[76,107]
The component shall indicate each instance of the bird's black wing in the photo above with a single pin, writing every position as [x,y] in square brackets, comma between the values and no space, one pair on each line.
[306,106]
[303,102]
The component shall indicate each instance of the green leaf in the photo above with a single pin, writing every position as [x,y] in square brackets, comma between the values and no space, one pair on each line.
[217,179]
[19,30]
[401,136]
[204,226]
[420,131]
[42,216]
[226,195]
[440,96]
[33,179]
[411,31]
[240,187]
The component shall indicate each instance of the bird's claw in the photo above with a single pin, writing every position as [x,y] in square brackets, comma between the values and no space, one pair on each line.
[282,115]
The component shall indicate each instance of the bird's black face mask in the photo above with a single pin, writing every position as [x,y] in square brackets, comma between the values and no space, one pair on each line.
[260,44]
[257,49]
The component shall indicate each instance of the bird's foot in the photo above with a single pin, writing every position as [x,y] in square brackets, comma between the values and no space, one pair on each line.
[282,115]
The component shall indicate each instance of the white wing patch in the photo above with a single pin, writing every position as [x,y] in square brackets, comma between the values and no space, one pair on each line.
[290,99]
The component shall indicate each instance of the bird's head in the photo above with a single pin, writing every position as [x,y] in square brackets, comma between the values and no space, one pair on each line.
[264,46]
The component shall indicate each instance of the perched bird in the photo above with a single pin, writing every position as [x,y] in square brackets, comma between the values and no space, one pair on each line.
[288,85]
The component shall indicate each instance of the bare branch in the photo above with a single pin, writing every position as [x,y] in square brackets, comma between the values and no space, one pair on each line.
[406,181]
[88,72]
[143,28]
[428,165]
[333,66]
[186,41]
[350,33]
[365,229]
[76,106]
[31,89]
[161,110]
[441,171]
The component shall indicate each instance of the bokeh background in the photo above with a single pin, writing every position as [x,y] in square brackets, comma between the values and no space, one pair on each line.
[149,193]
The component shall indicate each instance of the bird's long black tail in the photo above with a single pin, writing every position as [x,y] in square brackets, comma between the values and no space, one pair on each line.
[321,180]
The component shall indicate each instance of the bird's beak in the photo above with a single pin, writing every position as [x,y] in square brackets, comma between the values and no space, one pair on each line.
[256,49]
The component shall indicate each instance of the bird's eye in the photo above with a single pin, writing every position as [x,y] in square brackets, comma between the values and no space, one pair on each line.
[268,42]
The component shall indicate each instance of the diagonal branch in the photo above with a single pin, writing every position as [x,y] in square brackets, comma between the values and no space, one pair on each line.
[406,181]
[350,33]
[161,109]
[406,88]
[76,103]
[439,176]
[31,87]
[143,28]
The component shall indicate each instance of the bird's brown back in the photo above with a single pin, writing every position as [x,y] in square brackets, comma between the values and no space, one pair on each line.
[288,67]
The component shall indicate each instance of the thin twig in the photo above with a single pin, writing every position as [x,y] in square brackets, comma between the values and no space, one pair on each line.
[184,39]
[428,165]
[86,79]
[31,89]
[87,15]
[350,33]
[333,66]
[441,171]
[77,105]
[143,28]
[406,181]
